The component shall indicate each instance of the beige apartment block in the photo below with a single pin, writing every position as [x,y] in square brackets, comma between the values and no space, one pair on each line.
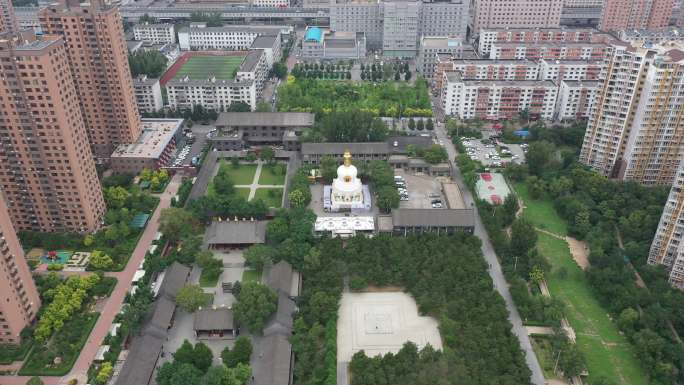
[47,169]
[636,128]
[19,300]
[635,14]
[516,14]
[98,58]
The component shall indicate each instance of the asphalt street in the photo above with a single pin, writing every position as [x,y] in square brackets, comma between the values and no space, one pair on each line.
[495,271]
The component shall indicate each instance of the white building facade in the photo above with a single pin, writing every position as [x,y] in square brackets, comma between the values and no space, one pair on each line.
[231,38]
[576,99]
[148,94]
[155,33]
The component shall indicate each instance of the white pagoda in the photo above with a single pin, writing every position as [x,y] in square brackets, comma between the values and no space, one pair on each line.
[347,190]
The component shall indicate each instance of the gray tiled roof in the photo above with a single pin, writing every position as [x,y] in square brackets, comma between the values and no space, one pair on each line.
[213,319]
[433,217]
[340,148]
[236,232]
[252,119]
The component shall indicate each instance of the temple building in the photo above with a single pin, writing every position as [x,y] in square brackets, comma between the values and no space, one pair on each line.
[347,192]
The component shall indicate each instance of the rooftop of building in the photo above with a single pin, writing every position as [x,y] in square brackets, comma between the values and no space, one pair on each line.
[264,41]
[572,62]
[155,136]
[456,77]
[336,224]
[340,148]
[261,29]
[548,44]
[213,319]
[560,29]
[233,232]
[251,60]
[433,217]
[153,25]
[313,34]
[495,62]
[143,79]
[250,119]
[440,42]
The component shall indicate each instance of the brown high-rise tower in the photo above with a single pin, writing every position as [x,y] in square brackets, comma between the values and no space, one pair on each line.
[19,300]
[8,23]
[98,58]
[47,170]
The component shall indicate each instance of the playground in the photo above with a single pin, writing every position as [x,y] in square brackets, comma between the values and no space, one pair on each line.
[201,65]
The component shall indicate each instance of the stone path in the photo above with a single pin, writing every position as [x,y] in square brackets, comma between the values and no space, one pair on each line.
[255,183]
[115,300]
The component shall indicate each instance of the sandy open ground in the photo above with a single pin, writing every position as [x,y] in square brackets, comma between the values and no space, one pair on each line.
[379,323]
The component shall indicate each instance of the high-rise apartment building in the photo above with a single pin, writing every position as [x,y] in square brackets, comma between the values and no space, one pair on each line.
[98,59]
[444,18]
[400,32]
[358,16]
[668,246]
[8,22]
[47,169]
[516,14]
[19,300]
[635,14]
[636,128]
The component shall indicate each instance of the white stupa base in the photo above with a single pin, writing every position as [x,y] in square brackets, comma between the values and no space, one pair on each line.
[334,206]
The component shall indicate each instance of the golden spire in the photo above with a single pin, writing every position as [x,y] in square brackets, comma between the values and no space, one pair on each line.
[347,158]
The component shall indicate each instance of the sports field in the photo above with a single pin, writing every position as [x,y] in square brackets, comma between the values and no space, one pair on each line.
[201,67]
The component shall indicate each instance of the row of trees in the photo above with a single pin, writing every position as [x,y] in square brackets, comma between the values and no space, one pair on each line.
[346,126]
[150,62]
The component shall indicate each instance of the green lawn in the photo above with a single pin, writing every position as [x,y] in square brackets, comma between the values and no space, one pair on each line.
[542,349]
[541,213]
[205,281]
[608,354]
[273,197]
[201,67]
[270,177]
[242,174]
[251,276]
[243,192]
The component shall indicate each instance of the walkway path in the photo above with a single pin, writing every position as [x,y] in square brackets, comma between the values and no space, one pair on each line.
[495,272]
[114,302]
[255,183]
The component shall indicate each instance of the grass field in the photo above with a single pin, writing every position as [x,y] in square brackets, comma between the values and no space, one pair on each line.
[242,192]
[251,276]
[608,353]
[269,176]
[272,199]
[200,67]
[542,349]
[541,212]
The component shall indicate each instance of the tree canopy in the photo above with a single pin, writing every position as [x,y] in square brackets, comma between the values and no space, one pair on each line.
[151,63]
[254,305]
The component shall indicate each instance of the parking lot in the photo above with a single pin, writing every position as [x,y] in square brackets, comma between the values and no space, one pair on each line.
[421,191]
[494,154]
[192,146]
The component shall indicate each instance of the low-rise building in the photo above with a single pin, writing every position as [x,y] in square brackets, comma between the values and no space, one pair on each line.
[161,33]
[312,153]
[235,130]
[328,45]
[271,45]
[218,94]
[406,222]
[148,94]
[497,99]
[270,3]
[226,234]
[576,99]
[153,149]
[430,47]
[490,36]
[230,37]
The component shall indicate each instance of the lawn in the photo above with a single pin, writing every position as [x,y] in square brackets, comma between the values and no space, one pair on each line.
[200,67]
[542,349]
[251,276]
[242,174]
[541,213]
[242,192]
[273,197]
[608,353]
[270,175]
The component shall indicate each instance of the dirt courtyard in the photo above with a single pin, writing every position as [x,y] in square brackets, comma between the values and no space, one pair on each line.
[379,323]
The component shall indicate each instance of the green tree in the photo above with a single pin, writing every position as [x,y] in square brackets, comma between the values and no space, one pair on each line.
[184,354]
[523,237]
[296,198]
[387,198]
[100,261]
[537,275]
[239,107]
[430,125]
[258,256]
[240,354]
[178,373]
[223,184]
[202,357]
[35,381]
[435,154]
[539,156]
[175,223]
[192,297]
[254,305]
[151,63]
[105,373]
[328,167]
[235,162]
[420,125]
[628,319]
[267,155]
[279,70]
[263,107]
[411,124]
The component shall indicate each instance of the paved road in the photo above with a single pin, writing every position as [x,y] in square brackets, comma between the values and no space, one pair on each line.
[115,301]
[495,272]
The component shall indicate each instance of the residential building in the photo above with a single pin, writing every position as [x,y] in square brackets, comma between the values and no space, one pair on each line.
[8,23]
[218,94]
[557,70]
[270,3]
[497,99]
[430,47]
[328,45]
[98,60]
[160,33]
[19,299]
[358,16]
[235,130]
[148,94]
[635,14]
[400,28]
[271,46]
[516,14]
[229,37]
[633,132]
[27,18]
[668,247]
[153,149]
[576,99]
[555,51]
[444,18]
[581,16]
[322,4]
[538,35]
[481,69]
[582,3]
[47,169]
[650,36]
